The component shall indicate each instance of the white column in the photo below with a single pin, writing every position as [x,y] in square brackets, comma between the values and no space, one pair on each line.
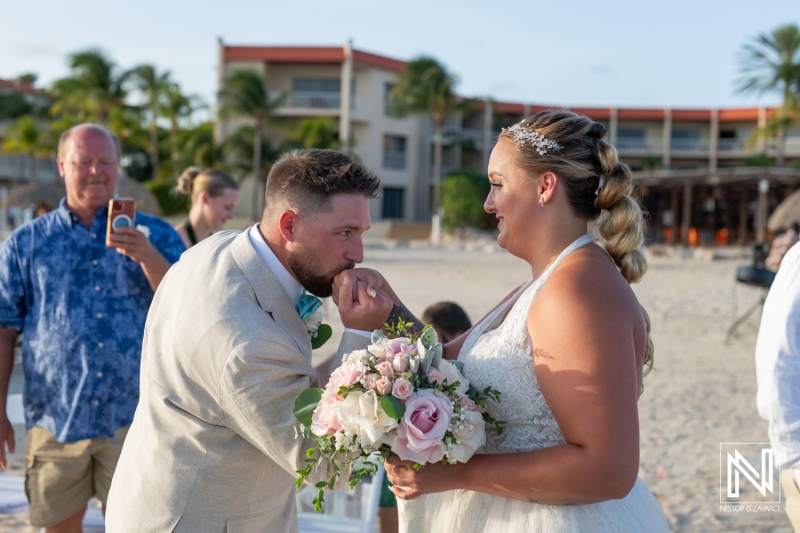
[526,110]
[713,148]
[762,136]
[613,126]
[487,132]
[219,131]
[666,157]
[344,99]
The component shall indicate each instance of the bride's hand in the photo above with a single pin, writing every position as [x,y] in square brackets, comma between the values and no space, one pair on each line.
[374,280]
[409,484]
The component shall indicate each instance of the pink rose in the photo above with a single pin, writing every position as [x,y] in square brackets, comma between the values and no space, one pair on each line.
[435,376]
[468,404]
[400,363]
[383,386]
[384,368]
[399,346]
[325,420]
[344,376]
[422,428]
[402,389]
[370,381]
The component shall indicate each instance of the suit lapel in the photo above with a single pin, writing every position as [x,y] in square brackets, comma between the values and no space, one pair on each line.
[269,293]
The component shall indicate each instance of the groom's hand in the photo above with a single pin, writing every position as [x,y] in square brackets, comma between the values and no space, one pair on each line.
[366,312]
[372,278]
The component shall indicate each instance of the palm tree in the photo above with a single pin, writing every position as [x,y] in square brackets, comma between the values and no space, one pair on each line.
[26,136]
[771,62]
[93,89]
[153,87]
[175,107]
[197,145]
[318,132]
[425,86]
[246,95]
[237,149]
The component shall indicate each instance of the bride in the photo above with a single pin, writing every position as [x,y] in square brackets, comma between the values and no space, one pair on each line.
[567,349]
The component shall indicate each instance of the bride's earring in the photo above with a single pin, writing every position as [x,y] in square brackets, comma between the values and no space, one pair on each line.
[542,199]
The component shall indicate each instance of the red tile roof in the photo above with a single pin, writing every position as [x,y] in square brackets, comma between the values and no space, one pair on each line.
[285,54]
[335,54]
[375,60]
[309,54]
[738,115]
[688,115]
[640,114]
[19,87]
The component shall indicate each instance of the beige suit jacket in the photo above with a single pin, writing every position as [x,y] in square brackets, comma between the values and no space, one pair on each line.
[212,446]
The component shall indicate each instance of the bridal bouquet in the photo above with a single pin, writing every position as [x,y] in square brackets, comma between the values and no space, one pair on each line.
[397,397]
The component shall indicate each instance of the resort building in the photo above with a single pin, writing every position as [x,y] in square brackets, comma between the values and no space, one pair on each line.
[706,177]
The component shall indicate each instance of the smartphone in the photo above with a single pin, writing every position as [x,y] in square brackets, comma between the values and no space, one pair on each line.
[121,213]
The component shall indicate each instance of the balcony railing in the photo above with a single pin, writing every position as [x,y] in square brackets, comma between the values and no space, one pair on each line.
[640,145]
[17,167]
[394,159]
[313,100]
[691,145]
[732,145]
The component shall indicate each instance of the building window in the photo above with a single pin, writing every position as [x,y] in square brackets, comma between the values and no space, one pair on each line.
[686,140]
[631,139]
[392,202]
[316,93]
[394,152]
[387,108]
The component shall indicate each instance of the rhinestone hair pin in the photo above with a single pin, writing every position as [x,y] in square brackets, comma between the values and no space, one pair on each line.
[539,142]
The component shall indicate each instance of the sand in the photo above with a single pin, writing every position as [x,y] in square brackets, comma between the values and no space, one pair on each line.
[701,393]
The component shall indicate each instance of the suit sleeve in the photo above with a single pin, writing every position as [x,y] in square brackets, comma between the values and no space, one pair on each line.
[350,342]
[261,381]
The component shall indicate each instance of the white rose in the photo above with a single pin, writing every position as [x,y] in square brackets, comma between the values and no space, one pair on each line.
[471,435]
[451,375]
[361,414]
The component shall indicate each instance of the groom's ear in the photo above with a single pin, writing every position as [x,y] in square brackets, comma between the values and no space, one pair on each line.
[287,224]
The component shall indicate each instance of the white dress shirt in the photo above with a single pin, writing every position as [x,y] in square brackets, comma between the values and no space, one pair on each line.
[292,287]
[778,362]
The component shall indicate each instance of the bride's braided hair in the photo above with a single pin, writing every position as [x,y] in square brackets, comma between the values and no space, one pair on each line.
[598,186]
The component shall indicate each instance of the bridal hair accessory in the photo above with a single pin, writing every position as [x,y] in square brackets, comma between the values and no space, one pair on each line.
[599,186]
[539,142]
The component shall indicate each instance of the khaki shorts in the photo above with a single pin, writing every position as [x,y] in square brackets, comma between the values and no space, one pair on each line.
[60,478]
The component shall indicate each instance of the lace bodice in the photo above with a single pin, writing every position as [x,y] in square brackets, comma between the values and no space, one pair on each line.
[498,353]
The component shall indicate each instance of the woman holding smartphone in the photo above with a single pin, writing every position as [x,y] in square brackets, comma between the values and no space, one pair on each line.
[215,194]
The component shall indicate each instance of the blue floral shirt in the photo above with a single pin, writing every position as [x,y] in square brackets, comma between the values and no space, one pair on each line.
[81,308]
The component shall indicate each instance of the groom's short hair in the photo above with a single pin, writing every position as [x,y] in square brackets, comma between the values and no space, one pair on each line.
[305,180]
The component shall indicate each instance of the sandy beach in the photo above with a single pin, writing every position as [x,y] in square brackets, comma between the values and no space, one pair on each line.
[701,393]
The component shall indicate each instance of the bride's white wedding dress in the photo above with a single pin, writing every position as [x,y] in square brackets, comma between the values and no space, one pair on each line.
[498,354]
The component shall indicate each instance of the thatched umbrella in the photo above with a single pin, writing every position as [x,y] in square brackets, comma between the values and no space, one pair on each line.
[51,194]
[786,214]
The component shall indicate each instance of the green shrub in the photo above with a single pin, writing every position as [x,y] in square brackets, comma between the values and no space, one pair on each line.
[463,194]
[171,201]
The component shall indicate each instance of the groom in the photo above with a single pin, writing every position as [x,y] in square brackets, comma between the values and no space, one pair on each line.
[212,446]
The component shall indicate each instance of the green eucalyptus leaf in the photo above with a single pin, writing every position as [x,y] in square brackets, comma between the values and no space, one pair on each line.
[324,333]
[393,407]
[305,404]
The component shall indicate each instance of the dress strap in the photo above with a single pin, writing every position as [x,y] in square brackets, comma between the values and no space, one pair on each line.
[578,243]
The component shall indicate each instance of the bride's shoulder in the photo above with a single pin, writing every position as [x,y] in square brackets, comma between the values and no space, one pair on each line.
[586,283]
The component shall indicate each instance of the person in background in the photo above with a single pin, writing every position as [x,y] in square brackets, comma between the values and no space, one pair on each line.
[80,298]
[214,195]
[778,376]
[780,246]
[448,319]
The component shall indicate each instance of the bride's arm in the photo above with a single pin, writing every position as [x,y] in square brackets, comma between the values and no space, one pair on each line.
[586,366]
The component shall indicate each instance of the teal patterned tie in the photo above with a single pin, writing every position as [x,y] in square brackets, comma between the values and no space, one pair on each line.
[307,305]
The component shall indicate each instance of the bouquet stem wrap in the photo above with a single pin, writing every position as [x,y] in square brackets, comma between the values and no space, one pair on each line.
[411,515]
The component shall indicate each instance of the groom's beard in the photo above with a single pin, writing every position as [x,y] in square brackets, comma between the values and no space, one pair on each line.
[303,268]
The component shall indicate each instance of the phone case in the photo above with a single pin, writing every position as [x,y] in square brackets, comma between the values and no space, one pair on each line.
[121,213]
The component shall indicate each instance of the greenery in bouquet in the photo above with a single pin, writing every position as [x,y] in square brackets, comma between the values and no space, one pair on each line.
[396,397]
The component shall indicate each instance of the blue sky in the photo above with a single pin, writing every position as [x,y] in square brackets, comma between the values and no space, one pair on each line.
[674,53]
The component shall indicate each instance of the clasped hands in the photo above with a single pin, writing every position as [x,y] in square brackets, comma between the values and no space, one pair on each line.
[364,298]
